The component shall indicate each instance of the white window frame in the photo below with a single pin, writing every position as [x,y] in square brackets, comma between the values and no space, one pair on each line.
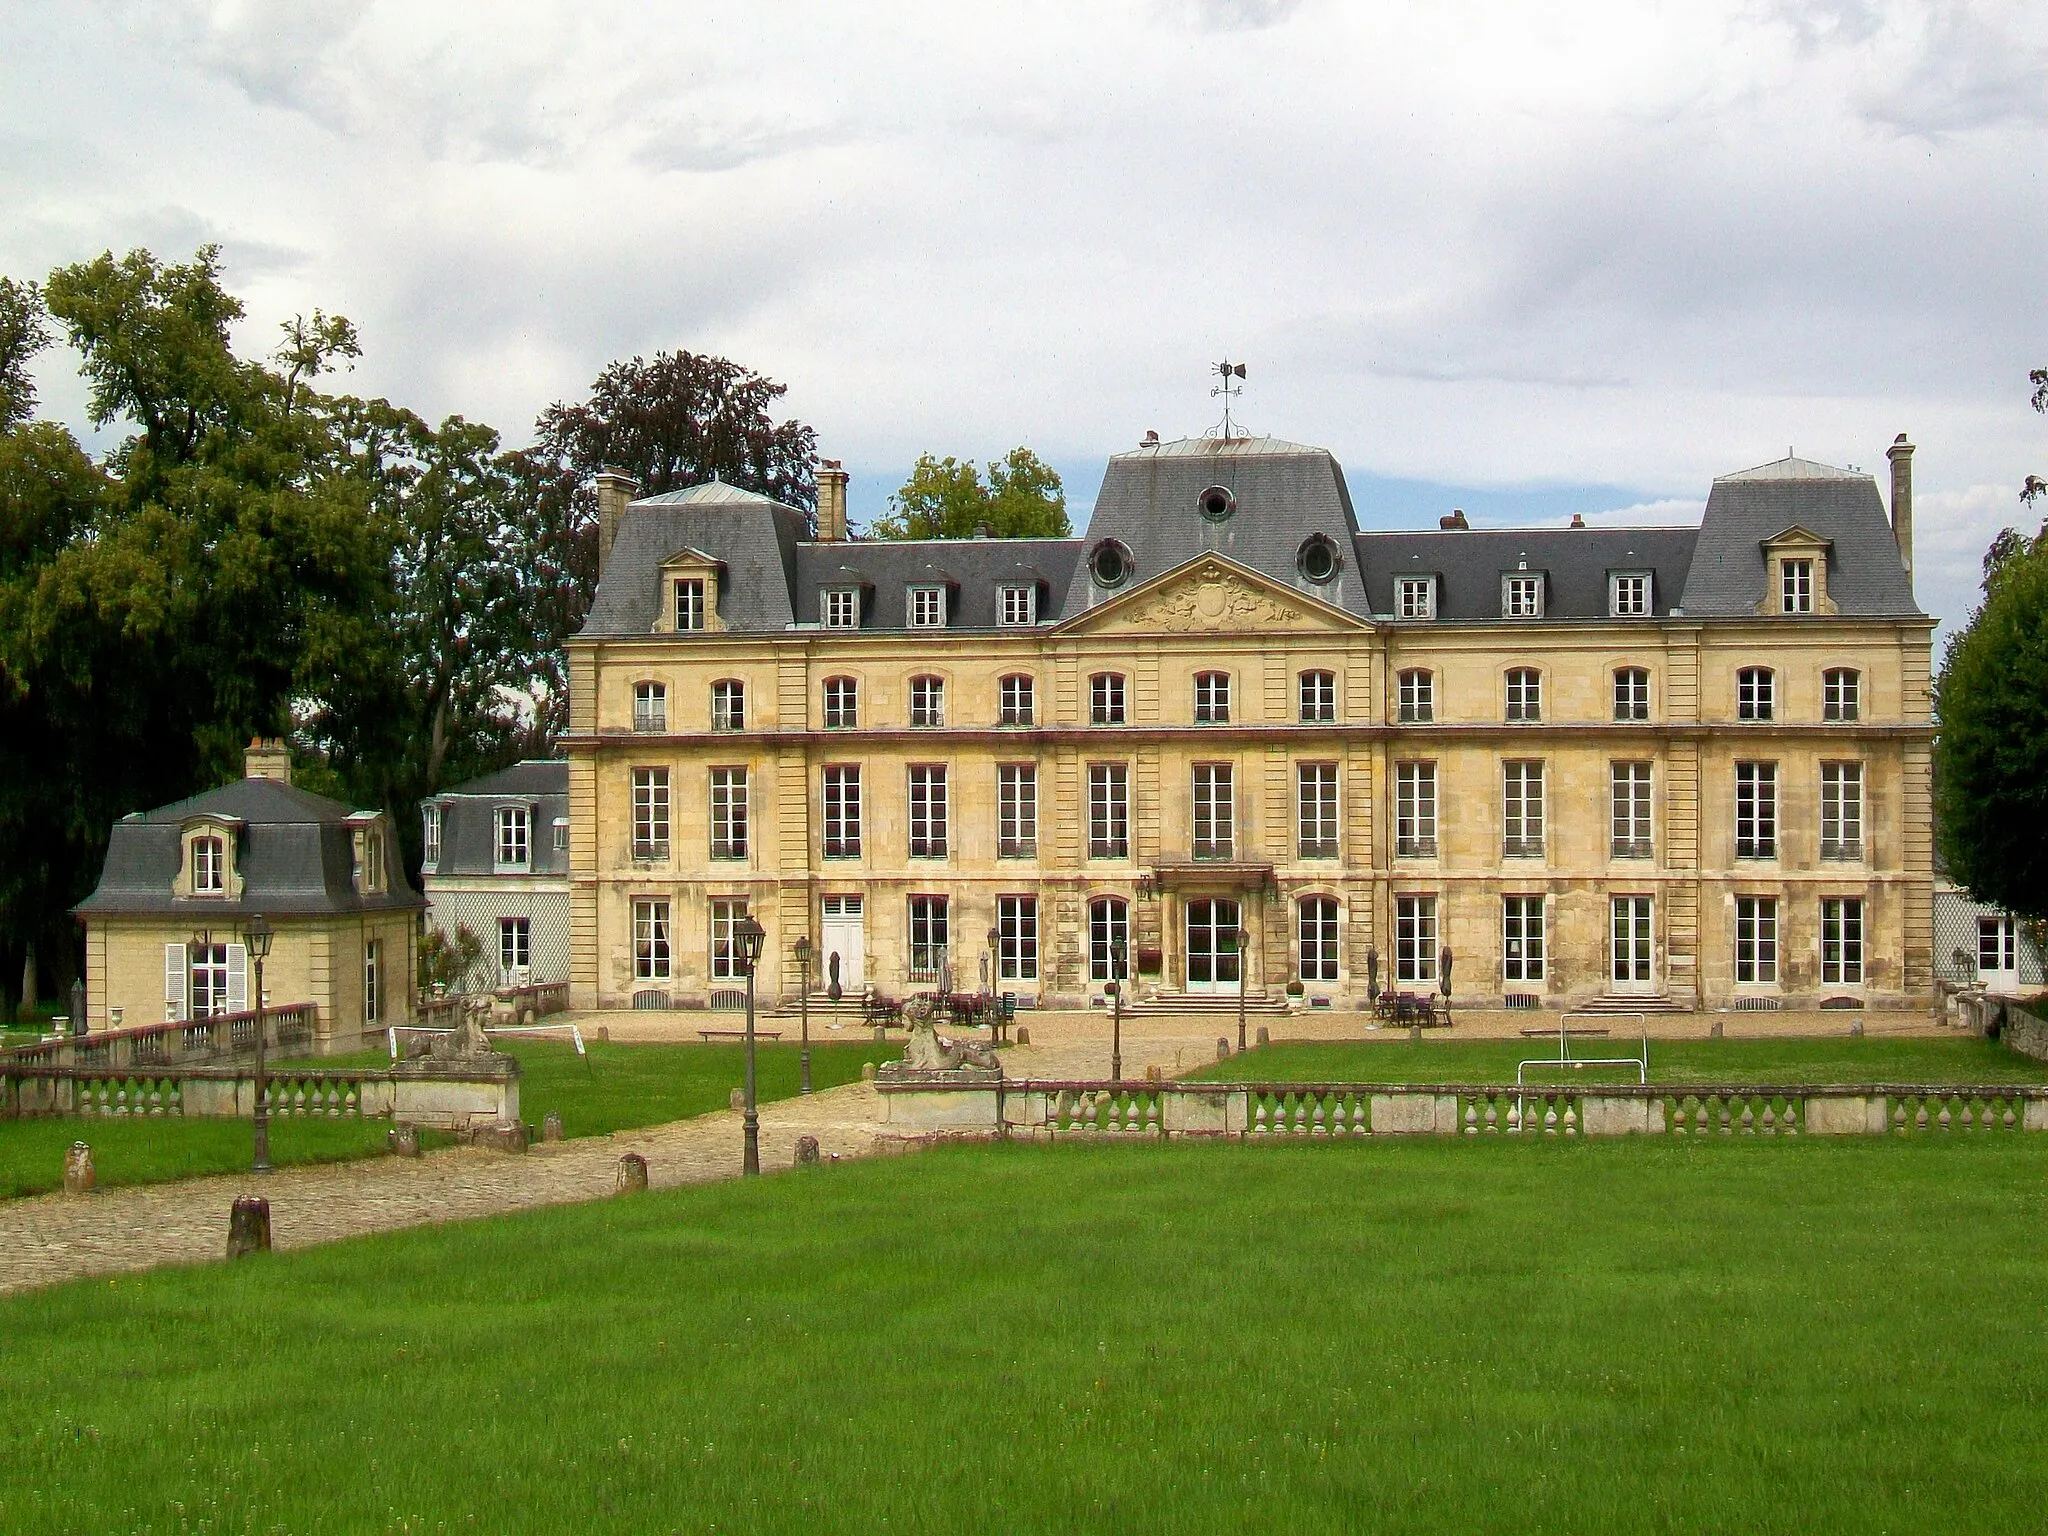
[1631,825]
[1521,817]
[1521,938]
[839,607]
[1415,810]
[1315,810]
[1017,700]
[1415,597]
[1017,605]
[1212,698]
[930,936]
[651,802]
[652,951]
[1017,938]
[925,606]
[726,914]
[1016,810]
[1524,701]
[512,847]
[1521,595]
[1841,694]
[373,981]
[1756,694]
[515,949]
[928,811]
[1417,696]
[729,704]
[841,703]
[430,834]
[1628,595]
[1315,935]
[1795,585]
[209,865]
[1106,699]
[1631,694]
[1841,810]
[561,834]
[729,813]
[1841,941]
[650,707]
[1213,807]
[1109,939]
[927,702]
[1317,693]
[1415,931]
[1756,810]
[840,793]
[1109,811]
[1756,941]
[692,604]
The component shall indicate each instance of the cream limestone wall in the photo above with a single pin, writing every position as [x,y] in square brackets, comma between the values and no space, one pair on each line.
[1220,618]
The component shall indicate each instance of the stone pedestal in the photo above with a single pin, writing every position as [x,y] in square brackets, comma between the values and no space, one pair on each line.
[632,1174]
[551,1126]
[807,1151]
[249,1227]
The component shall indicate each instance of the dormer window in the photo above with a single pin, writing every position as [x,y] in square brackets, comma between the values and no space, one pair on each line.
[430,834]
[1415,597]
[1795,586]
[839,607]
[1017,605]
[1796,575]
[650,706]
[689,603]
[1521,597]
[514,843]
[729,705]
[209,867]
[369,852]
[1628,595]
[927,607]
[1755,694]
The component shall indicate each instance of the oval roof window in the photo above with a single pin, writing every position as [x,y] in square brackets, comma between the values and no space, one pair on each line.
[1110,564]
[1317,558]
[1216,503]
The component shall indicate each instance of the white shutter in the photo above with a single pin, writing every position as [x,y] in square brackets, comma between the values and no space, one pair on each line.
[174,981]
[238,978]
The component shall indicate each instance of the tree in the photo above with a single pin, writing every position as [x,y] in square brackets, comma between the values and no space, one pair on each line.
[1991,702]
[947,499]
[23,333]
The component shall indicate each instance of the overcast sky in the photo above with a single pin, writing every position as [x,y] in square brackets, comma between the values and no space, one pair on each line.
[1525,259]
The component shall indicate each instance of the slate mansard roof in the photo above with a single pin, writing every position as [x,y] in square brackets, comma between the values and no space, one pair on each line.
[295,852]
[469,826]
[1282,496]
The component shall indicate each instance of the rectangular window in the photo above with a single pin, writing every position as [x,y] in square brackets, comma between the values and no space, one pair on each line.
[650,706]
[842,704]
[650,941]
[1755,693]
[1017,605]
[1415,597]
[728,813]
[209,977]
[209,872]
[1631,693]
[727,963]
[1214,811]
[1521,597]
[1109,816]
[369,860]
[650,813]
[1318,698]
[1841,810]
[561,837]
[1017,701]
[1106,699]
[839,607]
[1109,939]
[1756,810]
[1317,937]
[928,938]
[1017,938]
[927,701]
[1016,811]
[1997,944]
[1839,688]
[842,813]
[1628,803]
[1841,941]
[1315,794]
[928,811]
[1630,596]
[1415,938]
[1415,810]
[1795,586]
[1525,695]
[430,834]
[1418,697]
[927,607]
[729,705]
[1212,698]
[513,832]
[690,604]
[515,949]
[373,981]
[1756,938]
[1521,927]
[1521,828]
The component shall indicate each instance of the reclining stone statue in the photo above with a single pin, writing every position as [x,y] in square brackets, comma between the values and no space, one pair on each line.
[929,1052]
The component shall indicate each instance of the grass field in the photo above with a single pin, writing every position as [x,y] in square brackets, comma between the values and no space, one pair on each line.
[621,1086]
[1835,1059]
[1643,1336]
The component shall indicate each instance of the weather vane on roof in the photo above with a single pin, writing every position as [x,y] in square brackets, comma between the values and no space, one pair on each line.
[1226,371]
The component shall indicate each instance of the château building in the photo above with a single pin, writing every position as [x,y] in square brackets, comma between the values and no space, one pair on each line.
[1682,764]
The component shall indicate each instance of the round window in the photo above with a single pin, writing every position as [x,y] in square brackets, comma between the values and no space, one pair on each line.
[1217,503]
[1318,559]
[1110,565]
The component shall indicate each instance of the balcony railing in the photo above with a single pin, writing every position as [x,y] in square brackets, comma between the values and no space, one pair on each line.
[1213,848]
[1756,847]
[842,847]
[1633,848]
[1849,848]
[1418,714]
[1017,848]
[1521,847]
[1318,848]
[1415,847]
[649,849]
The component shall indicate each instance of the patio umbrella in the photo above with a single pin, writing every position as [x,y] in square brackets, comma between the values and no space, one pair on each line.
[1443,969]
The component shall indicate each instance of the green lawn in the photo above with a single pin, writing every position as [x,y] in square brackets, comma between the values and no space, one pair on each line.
[620,1087]
[1760,1336]
[1835,1059]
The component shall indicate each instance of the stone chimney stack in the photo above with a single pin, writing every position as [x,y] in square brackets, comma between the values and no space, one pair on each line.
[1901,455]
[267,759]
[831,501]
[614,489]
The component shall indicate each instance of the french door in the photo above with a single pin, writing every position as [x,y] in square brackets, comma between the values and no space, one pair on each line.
[1633,951]
[1214,964]
[844,935]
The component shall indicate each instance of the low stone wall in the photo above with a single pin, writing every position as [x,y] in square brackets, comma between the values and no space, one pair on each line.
[1999,1018]
[435,1095]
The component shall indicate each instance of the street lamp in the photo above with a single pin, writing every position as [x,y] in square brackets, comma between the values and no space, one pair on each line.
[1241,939]
[995,1014]
[747,935]
[803,1003]
[1115,989]
[258,937]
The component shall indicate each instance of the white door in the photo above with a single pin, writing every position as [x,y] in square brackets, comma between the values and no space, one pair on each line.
[845,935]
[1633,951]
[1214,964]
[1998,954]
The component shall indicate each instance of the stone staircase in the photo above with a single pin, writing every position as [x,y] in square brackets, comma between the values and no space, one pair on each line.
[1256,1005]
[847,1010]
[1615,1003]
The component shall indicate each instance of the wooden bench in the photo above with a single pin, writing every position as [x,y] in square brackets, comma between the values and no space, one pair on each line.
[738,1034]
[1538,1032]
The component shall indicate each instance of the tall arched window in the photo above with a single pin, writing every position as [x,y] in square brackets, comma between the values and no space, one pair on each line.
[1109,939]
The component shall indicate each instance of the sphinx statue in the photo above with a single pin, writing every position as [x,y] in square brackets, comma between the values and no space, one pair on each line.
[931,1055]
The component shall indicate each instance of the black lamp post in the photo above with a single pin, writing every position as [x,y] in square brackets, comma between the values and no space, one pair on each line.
[258,937]
[747,935]
[803,1004]
[1116,1010]
[995,1014]
[1242,940]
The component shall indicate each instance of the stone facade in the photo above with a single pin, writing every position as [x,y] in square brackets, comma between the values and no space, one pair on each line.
[1273,798]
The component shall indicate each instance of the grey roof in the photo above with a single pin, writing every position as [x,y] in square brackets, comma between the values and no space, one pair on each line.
[469,827]
[1866,578]
[1469,563]
[973,568]
[294,850]
[1285,494]
[755,537]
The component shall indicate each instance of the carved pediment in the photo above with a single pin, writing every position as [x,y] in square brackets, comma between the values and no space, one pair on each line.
[1211,594]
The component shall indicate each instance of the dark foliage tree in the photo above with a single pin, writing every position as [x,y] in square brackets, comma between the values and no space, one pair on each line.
[948,499]
[24,331]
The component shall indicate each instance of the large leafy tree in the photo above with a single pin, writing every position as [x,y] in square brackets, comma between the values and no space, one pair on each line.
[948,498]
[1991,699]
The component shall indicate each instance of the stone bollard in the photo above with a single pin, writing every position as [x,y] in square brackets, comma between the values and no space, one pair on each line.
[1717,1029]
[79,1178]
[1154,1075]
[867,1071]
[1414,1031]
[1023,1034]
[632,1174]
[249,1227]
[738,1100]
[551,1126]
[514,1136]
[881,1034]
[403,1140]
[1265,1037]
[807,1151]
[1222,1049]
[604,1033]
[1856,1030]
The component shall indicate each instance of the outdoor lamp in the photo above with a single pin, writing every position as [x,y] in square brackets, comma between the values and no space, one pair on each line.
[803,1004]
[257,937]
[747,935]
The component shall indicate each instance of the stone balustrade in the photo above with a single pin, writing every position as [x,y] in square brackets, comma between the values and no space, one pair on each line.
[181,1042]
[1255,1111]
[541,998]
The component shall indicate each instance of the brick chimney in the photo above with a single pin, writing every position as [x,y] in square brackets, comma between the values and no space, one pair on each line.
[1901,455]
[1455,520]
[267,759]
[831,501]
[614,489]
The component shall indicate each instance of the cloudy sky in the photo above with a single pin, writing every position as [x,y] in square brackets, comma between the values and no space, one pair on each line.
[1524,259]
